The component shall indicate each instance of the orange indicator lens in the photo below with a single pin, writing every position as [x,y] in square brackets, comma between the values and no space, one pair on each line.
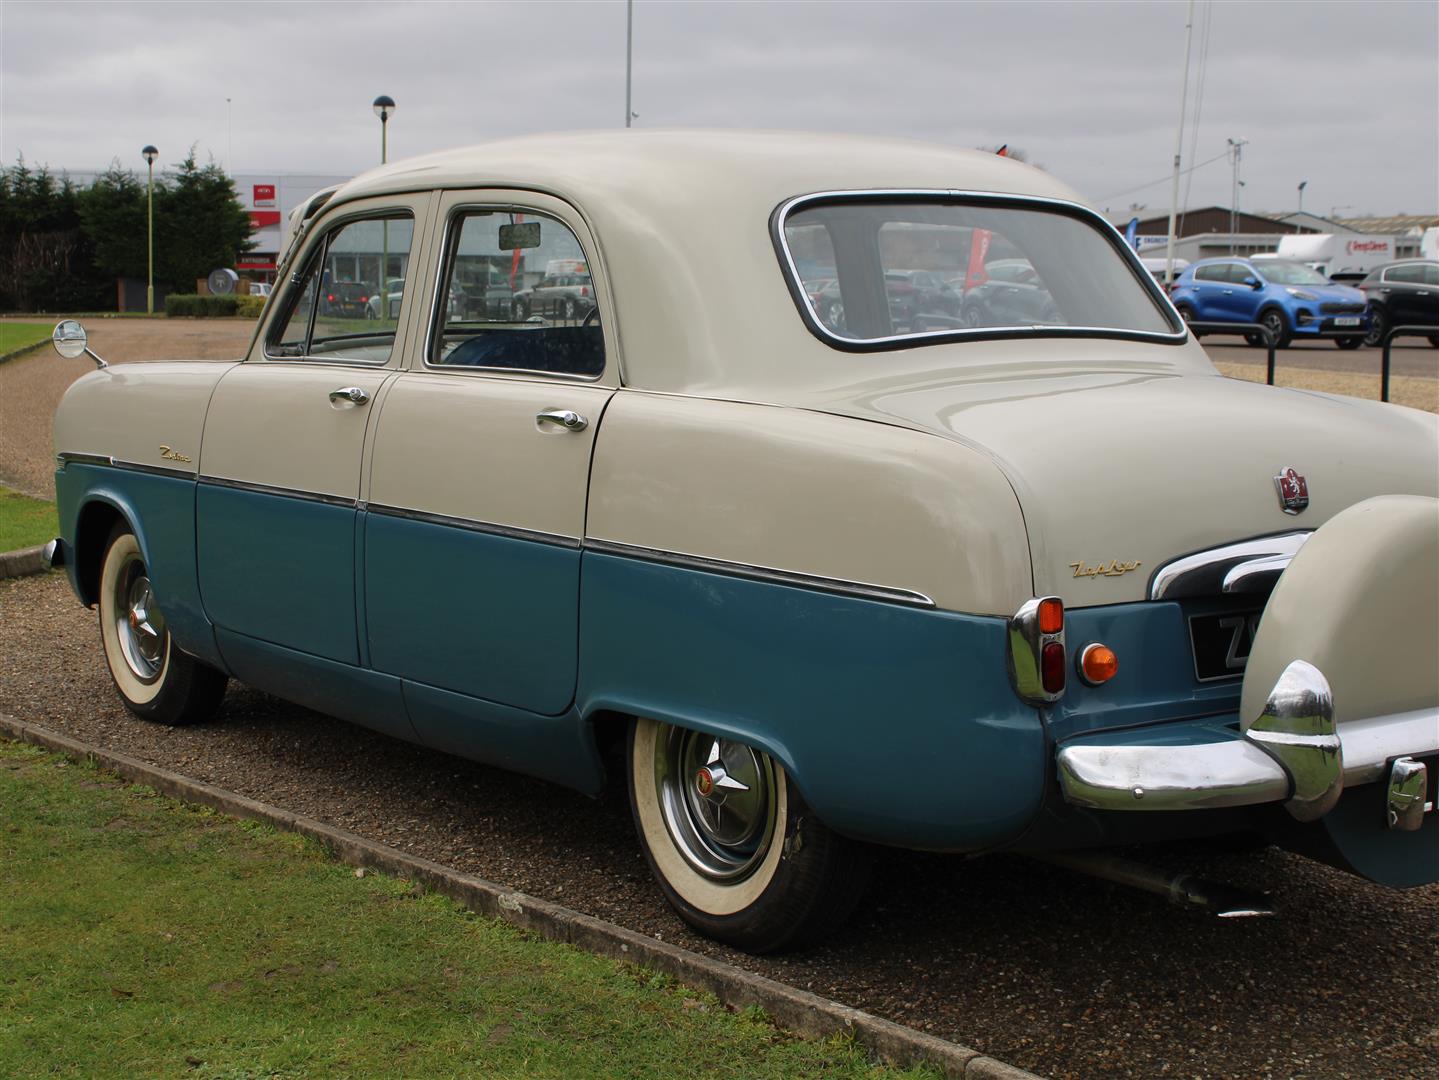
[1051,615]
[1098,664]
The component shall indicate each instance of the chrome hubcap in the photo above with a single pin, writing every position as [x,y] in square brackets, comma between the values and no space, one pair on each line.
[718,800]
[139,625]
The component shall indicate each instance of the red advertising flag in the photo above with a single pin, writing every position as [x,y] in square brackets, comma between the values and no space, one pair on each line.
[515,256]
[978,249]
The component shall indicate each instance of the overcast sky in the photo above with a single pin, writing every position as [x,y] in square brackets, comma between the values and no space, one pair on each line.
[1343,95]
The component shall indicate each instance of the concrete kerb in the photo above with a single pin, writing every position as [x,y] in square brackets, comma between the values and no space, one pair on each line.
[22,562]
[795,1011]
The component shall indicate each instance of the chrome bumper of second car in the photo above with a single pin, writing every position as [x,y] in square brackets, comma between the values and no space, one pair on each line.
[1293,754]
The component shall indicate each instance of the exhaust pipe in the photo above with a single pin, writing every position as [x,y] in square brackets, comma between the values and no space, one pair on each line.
[1182,890]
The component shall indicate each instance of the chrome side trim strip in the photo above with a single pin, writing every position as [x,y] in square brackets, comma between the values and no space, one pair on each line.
[838,586]
[119,463]
[1231,568]
[286,493]
[1370,744]
[510,531]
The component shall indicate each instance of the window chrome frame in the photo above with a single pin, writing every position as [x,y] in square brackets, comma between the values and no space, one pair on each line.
[452,230]
[1067,207]
[323,241]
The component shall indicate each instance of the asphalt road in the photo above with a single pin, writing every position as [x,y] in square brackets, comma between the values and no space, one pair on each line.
[1037,966]
[1409,356]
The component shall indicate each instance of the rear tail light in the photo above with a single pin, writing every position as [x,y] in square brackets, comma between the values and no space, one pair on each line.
[1037,667]
[584,290]
[330,297]
[1051,667]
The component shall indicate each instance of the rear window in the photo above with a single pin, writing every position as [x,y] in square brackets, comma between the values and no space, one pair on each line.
[873,271]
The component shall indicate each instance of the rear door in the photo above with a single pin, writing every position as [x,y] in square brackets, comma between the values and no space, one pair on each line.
[479,475]
[284,438]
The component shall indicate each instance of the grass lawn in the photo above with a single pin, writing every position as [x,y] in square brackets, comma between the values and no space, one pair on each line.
[25,522]
[18,337]
[143,937]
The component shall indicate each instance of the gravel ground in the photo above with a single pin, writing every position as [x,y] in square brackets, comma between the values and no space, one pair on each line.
[1050,971]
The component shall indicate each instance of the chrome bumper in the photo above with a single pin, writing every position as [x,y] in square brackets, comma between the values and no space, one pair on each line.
[54,554]
[1293,754]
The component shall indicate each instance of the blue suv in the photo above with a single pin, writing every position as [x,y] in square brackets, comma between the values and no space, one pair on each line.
[1287,298]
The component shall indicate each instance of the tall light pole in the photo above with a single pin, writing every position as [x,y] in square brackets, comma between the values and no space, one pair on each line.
[384,106]
[1302,185]
[150,154]
[629,55]
[1178,145]
[1235,147]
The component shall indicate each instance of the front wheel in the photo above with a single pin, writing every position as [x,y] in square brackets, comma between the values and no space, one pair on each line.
[1378,327]
[1349,342]
[733,846]
[1274,321]
[155,680]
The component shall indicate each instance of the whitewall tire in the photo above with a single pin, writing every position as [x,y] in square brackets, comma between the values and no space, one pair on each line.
[732,844]
[155,679]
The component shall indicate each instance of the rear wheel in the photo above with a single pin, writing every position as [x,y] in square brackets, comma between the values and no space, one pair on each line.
[733,846]
[1434,340]
[155,679]
[1274,321]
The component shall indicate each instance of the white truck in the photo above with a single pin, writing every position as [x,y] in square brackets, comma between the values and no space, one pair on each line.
[1338,256]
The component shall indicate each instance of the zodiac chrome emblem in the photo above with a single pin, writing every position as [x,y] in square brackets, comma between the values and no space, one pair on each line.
[1113,568]
[1293,490]
[170,454]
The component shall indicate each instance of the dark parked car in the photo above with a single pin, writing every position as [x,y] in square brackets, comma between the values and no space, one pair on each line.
[916,296]
[1013,295]
[346,299]
[1402,294]
[1287,298]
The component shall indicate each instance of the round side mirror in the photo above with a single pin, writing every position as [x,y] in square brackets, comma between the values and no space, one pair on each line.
[69,339]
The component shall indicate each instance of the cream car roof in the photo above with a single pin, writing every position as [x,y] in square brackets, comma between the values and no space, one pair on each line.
[681,220]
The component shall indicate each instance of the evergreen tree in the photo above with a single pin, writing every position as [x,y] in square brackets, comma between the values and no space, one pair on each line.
[199,224]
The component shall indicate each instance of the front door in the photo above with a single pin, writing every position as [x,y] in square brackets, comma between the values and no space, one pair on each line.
[284,438]
[479,473]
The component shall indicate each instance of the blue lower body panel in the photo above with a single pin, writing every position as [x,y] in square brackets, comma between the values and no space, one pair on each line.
[487,616]
[160,511]
[279,569]
[556,748]
[898,725]
[365,697]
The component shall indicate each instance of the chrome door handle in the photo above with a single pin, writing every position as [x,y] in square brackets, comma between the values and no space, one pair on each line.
[565,418]
[347,397]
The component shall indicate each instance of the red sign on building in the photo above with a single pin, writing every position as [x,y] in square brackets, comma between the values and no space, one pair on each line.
[264,195]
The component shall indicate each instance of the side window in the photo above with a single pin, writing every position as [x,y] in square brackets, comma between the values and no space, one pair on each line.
[354,290]
[1412,275]
[1211,273]
[1431,274]
[518,296]
[1237,272]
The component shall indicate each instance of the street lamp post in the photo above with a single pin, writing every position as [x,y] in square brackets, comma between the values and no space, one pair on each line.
[1302,185]
[1235,146]
[150,154]
[384,105]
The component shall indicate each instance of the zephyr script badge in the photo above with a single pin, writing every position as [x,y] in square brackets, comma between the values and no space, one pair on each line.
[1293,491]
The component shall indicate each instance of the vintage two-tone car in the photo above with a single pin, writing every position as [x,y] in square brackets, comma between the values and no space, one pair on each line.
[963,585]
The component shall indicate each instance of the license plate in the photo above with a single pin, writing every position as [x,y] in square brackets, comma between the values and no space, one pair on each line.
[1347,320]
[1222,643]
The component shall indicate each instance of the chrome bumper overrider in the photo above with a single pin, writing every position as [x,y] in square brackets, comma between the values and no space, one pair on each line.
[54,554]
[1294,754]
